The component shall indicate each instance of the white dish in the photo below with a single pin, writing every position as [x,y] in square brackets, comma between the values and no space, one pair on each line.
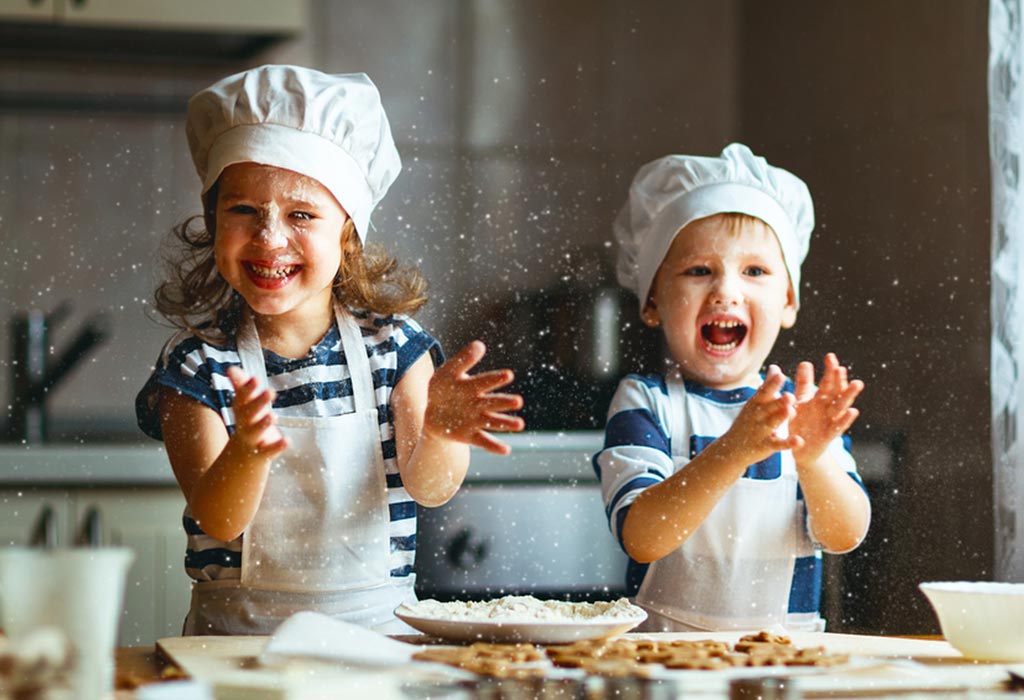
[539,632]
[982,619]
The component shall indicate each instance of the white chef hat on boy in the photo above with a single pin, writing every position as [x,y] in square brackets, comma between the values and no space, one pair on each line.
[331,128]
[670,192]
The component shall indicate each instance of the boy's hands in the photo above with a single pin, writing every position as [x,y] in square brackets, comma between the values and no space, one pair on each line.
[753,434]
[823,413]
[462,407]
[255,430]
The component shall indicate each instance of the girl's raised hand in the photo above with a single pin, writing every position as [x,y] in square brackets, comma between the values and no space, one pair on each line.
[823,413]
[255,430]
[464,407]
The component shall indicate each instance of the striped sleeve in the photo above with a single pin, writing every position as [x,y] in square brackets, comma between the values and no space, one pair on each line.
[636,452]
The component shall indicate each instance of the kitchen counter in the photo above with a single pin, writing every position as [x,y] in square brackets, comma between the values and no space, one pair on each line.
[69,465]
[536,456]
[939,672]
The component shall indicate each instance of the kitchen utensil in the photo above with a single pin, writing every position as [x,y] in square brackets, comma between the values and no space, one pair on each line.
[982,619]
[77,591]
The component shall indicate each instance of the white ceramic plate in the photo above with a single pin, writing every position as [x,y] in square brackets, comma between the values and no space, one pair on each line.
[511,632]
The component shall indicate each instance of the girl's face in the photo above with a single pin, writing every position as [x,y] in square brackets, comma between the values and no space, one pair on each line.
[721,295]
[278,239]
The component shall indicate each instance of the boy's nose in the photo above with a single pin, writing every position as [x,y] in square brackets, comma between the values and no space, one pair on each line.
[726,289]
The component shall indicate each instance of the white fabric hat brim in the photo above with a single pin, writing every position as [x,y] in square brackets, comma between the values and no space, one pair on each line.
[715,198]
[299,151]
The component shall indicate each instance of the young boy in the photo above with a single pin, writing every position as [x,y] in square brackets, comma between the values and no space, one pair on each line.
[721,484]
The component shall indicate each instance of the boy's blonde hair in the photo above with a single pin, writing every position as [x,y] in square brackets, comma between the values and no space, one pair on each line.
[195,296]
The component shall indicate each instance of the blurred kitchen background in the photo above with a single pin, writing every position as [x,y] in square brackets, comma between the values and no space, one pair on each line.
[520,123]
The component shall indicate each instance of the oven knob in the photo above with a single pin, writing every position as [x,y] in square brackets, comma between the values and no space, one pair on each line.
[463,552]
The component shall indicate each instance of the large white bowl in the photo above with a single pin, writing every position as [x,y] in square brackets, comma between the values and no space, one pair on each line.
[984,620]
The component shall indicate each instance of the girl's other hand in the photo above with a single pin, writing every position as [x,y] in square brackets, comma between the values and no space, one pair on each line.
[255,430]
[464,407]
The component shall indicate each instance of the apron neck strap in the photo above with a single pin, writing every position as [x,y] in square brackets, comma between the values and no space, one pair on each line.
[251,354]
[677,428]
[357,359]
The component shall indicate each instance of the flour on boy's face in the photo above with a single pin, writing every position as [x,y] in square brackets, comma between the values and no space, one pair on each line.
[721,296]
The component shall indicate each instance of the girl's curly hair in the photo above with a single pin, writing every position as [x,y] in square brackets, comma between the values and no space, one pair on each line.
[195,297]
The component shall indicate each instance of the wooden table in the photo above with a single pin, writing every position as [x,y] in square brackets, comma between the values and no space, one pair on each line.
[137,666]
[141,665]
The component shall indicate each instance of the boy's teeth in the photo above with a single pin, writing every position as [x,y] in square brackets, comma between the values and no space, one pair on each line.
[725,324]
[723,348]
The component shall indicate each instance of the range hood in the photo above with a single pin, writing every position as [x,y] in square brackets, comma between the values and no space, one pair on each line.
[183,30]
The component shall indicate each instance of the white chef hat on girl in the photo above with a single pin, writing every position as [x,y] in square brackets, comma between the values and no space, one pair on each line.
[331,128]
[670,192]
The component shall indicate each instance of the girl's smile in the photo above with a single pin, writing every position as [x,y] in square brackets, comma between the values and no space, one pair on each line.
[721,296]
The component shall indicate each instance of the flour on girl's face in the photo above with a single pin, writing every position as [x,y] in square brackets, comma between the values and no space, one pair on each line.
[278,242]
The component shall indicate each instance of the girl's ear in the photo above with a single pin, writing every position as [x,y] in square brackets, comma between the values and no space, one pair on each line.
[650,313]
[789,310]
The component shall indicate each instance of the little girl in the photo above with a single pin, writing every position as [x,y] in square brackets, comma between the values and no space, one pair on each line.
[303,412]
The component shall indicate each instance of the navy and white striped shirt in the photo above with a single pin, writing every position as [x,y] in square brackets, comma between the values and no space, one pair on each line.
[638,453]
[315,385]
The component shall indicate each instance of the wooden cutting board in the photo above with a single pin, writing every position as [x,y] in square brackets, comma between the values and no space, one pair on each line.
[202,657]
[936,665]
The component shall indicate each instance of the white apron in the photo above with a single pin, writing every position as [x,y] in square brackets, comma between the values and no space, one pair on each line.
[736,570]
[320,538]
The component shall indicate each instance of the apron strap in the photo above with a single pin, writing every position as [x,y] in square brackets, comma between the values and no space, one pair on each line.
[357,359]
[677,414]
[249,350]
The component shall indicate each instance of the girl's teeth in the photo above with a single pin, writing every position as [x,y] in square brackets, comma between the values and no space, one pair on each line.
[723,348]
[272,272]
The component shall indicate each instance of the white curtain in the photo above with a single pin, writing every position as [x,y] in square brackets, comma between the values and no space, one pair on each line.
[1006,138]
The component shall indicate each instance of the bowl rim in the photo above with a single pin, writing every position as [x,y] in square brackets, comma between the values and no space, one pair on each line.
[1007,588]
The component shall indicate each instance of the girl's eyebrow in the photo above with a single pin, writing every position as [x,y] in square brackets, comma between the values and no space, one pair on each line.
[291,201]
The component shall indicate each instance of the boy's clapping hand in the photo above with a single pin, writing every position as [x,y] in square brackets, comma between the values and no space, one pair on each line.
[463,407]
[825,412]
[755,431]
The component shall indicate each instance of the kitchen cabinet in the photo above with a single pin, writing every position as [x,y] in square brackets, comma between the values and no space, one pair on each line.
[145,519]
[197,15]
[28,10]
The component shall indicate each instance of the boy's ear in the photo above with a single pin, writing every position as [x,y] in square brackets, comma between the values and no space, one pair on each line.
[789,310]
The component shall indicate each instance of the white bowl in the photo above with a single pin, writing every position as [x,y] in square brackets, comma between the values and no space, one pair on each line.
[984,620]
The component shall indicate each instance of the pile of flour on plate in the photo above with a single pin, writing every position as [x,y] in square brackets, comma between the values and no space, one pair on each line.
[523,608]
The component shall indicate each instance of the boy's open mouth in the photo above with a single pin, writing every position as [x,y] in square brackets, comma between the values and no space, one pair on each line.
[723,336]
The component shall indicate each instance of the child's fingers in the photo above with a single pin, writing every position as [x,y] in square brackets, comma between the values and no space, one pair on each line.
[485,382]
[498,403]
[804,381]
[790,442]
[272,449]
[503,423]
[773,382]
[845,421]
[465,359]
[486,441]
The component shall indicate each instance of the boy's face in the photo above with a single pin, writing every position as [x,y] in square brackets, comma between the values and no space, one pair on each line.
[721,296]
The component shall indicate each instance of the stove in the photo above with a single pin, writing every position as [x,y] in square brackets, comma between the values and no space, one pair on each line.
[531,523]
